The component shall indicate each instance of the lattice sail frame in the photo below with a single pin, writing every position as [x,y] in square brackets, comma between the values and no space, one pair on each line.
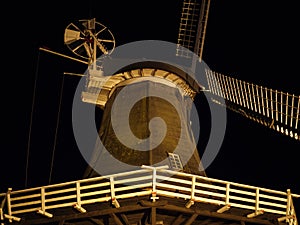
[275,109]
[192,28]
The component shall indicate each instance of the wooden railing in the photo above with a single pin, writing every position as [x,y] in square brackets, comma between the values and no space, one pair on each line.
[152,182]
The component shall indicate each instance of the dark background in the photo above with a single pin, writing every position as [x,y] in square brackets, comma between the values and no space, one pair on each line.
[255,41]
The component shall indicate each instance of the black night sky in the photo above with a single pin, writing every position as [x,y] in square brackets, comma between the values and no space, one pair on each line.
[254,41]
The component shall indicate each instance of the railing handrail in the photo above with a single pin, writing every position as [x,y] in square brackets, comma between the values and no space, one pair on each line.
[232,183]
[80,181]
[253,197]
[145,170]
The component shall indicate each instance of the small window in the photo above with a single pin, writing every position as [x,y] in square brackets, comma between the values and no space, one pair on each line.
[175,161]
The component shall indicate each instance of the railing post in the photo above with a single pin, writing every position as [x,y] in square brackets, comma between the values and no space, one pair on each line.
[9,203]
[288,204]
[78,197]
[193,188]
[289,208]
[112,192]
[227,194]
[43,204]
[227,204]
[290,216]
[43,207]
[257,200]
[1,210]
[153,197]
[1,216]
[192,200]
[8,216]
[78,193]
[257,210]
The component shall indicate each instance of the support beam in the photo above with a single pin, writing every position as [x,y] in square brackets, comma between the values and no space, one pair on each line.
[153,216]
[116,219]
[62,222]
[145,218]
[88,214]
[97,221]
[256,213]
[189,203]
[191,219]
[125,219]
[1,216]
[153,204]
[223,209]
[12,218]
[285,218]
[79,208]
[44,213]
[216,215]
[206,222]
[178,220]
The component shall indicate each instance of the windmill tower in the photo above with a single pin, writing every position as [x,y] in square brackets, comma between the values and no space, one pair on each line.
[172,192]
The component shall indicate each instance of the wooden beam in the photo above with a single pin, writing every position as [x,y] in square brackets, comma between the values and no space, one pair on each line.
[222,216]
[178,220]
[97,221]
[125,219]
[89,214]
[145,218]
[153,216]
[153,204]
[62,222]
[206,222]
[116,219]
[191,219]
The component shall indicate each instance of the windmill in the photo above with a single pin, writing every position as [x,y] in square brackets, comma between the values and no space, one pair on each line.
[161,209]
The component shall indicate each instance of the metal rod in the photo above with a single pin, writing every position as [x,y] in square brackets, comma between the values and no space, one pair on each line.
[75,74]
[65,56]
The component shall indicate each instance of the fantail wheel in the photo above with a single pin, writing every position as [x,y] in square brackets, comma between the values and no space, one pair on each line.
[89,39]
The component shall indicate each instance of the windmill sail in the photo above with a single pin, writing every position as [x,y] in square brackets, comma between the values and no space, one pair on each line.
[272,108]
[192,28]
